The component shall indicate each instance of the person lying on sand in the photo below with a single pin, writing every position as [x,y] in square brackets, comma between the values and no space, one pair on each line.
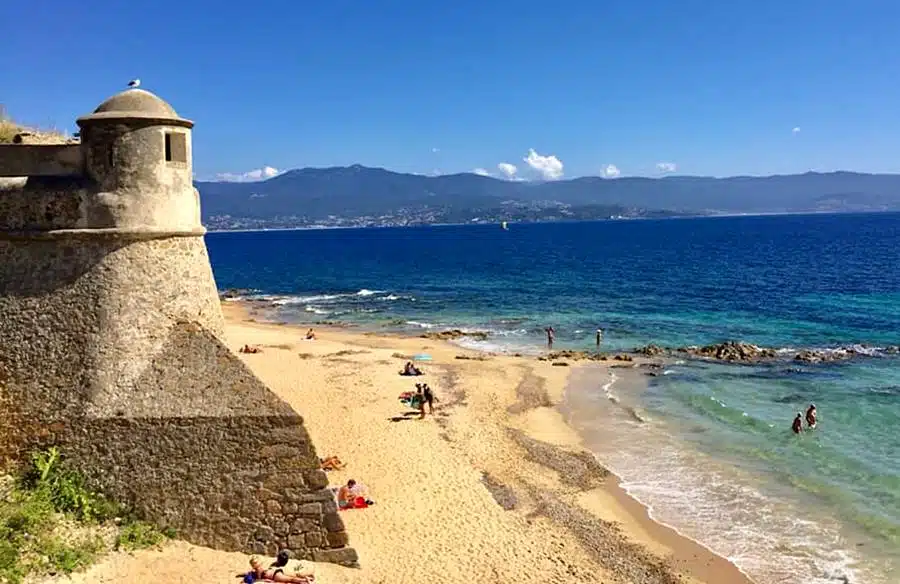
[257,572]
[310,335]
[249,349]
[353,496]
[331,463]
[410,369]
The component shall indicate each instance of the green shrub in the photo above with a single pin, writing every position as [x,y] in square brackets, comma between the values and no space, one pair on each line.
[139,535]
[65,489]
[31,519]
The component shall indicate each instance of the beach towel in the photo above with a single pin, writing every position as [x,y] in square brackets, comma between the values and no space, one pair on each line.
[357,503]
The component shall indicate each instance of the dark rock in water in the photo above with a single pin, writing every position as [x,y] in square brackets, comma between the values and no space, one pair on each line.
[818,356]
[732,351]
[234,293]
[892,350]
[455,334]
[651,350]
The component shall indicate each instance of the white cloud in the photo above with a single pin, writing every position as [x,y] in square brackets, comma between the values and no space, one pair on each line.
[508,169]
[257,174]
[550,167]
[666,166]
[435,149]
[610,171]
[481,172]
[796,130]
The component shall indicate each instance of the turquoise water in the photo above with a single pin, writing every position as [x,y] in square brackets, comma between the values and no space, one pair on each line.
[714,456]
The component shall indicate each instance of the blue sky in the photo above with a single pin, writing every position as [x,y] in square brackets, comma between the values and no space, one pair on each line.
[712,87]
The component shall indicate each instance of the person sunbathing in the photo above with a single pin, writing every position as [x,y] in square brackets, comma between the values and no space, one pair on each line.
[310,335]
[410,369]
[257,572]
[331,463]
[353,495]
[249,349]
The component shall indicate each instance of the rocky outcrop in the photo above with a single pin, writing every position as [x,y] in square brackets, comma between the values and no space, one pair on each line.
[455,334]
[652,350]
[731,351]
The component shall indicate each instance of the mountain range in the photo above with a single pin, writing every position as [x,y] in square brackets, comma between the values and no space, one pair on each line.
[314,195]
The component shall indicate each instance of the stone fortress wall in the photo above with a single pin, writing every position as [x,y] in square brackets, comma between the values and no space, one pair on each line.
[111,343]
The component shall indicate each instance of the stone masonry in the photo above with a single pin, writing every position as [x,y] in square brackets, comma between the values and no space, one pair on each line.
[111,343]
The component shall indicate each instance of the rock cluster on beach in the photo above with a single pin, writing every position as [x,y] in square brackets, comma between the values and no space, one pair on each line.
[454,334]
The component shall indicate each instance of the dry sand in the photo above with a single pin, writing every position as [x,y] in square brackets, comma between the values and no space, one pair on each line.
[494,488]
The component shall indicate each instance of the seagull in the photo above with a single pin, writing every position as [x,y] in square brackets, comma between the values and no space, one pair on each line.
[134,83]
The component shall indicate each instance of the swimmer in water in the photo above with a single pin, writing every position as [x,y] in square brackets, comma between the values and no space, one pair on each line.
[797,426]
[811,416]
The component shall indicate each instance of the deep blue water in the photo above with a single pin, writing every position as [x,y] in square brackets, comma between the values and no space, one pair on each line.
[785,281]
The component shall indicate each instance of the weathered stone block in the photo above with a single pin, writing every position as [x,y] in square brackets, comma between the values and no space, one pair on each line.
[338,539]
[310,510]
[314,539]
[273,507]
[343,556]
[333,522]
[316,479]
[302,525]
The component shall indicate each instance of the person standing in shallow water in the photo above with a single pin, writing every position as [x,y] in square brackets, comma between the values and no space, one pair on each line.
[599,338]
[811,416]
[797,426]
[550,336]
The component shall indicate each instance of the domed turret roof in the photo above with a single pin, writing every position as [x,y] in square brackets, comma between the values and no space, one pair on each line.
[135,104]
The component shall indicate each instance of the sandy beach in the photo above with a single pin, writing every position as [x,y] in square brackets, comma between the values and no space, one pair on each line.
[494,487]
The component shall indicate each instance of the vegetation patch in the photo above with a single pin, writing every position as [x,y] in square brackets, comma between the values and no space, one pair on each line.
[51,523]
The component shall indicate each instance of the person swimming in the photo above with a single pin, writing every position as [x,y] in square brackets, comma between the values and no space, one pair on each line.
[811,416]
[797,426]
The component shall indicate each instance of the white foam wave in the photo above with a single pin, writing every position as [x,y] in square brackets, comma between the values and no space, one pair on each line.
[367,292]
[766,537]
[294,300]
[424,325]
[316,310]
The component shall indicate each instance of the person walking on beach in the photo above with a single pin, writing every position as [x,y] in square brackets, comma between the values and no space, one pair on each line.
[428,394]
[550,336]
[811,416]
[797,426]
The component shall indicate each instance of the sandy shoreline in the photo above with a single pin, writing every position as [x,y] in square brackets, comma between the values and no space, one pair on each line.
[494,488]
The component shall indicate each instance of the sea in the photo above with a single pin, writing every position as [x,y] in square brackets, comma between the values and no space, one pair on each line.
[706,446]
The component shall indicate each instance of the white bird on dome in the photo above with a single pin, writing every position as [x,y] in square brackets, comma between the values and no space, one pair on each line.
[134,83]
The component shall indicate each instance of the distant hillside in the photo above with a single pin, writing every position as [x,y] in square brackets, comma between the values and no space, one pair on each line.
[315,194]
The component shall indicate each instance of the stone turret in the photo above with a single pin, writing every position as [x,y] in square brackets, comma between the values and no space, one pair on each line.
[112,342]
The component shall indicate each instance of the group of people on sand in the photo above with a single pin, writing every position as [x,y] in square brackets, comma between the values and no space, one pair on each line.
[276,572]
[410,370]
[797,426]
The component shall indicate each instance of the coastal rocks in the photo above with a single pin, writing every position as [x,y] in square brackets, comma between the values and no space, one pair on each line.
[651,350]
[473,357]
[731,351]
[234,293]
[822,356]
[452,334]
